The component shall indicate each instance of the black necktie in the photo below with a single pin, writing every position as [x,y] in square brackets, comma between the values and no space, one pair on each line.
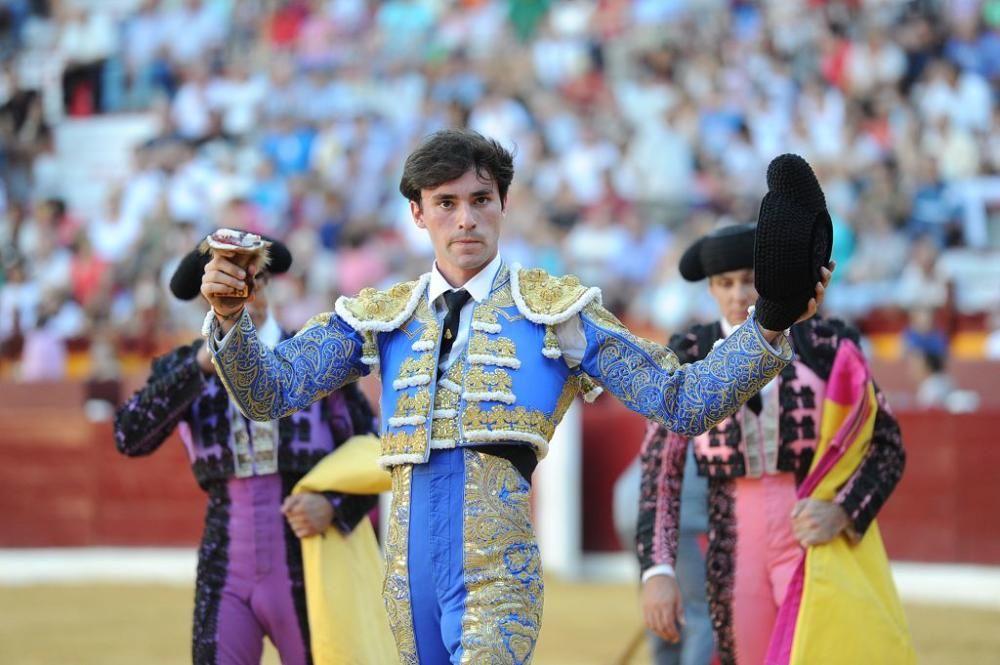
[455,301]
[755,403]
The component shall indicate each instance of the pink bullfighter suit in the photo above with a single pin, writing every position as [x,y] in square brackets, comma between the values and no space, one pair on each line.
[754,462]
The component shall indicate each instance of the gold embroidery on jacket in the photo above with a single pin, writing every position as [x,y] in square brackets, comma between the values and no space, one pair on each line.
[566,397]
[318,320]
[485,313]
[417,404]
[479,380]
[501,418]
[445,429]
[382,306]
[661,355]
[399,442]
[421,365]
[546,294]
[503,572]
[396,586]
[502,347]
[503,297]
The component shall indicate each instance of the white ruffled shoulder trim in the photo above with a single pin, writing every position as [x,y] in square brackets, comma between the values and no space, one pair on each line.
[589,295]
[419,291]
[386,461]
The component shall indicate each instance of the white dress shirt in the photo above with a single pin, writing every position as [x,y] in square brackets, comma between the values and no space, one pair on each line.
[570,334]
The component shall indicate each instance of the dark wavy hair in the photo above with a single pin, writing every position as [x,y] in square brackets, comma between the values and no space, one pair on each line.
[447,155]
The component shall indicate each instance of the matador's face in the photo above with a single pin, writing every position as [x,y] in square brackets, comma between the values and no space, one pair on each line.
[463,219]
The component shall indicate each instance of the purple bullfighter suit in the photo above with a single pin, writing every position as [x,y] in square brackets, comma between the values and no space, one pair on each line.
[249,581]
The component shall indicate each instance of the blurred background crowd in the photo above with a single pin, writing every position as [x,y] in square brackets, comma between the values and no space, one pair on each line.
[637,124]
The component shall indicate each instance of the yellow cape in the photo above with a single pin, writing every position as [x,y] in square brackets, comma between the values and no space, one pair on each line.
[848,610]
[343,574]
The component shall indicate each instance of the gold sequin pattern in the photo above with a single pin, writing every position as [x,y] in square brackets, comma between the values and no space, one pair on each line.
[431,332]
[485,314]
[566,397]
[444,429]
[422,364]
[503,572]
[417,404]
[396,587]
[479,380]
[375,305]
[481,344]
[454,373]
[587,384]
[369,349]
[546,294]
[401,442]
[445,399]
[502,418]
[503,297]
[551,340]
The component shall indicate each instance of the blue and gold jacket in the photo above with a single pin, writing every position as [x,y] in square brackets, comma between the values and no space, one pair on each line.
[511,385]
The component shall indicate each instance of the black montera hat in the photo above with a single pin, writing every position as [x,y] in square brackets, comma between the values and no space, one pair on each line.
[724,249]
[186,281]
[794,240]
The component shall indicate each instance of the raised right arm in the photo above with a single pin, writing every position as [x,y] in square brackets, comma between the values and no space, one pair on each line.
[270,384]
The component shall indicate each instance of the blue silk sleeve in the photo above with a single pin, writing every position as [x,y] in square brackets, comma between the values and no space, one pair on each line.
[690,398]
[267,385]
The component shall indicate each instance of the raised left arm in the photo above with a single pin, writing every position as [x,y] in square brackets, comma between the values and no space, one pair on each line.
[690,398]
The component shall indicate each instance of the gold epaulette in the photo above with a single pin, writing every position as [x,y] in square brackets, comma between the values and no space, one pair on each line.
[550,300]
[373,310]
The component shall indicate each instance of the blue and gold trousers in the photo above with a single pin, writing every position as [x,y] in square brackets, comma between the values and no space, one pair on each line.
[463,576]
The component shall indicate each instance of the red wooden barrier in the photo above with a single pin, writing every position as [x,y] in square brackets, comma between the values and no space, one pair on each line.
[63,483]
[944,509]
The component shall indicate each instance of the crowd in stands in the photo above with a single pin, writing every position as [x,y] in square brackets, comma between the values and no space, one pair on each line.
[637,125]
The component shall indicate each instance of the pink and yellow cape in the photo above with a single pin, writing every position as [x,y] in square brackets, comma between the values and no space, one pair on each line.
[841,607]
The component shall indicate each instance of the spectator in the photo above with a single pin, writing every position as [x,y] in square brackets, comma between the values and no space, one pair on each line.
[113,235]
[632,121]
[195,27]
[19,302]
[144,56]
[933,208]
[191,108]
[44,355]
[87,38]
[934,386]
[921,286]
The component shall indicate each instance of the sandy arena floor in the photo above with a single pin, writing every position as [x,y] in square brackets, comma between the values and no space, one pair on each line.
[584,624]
